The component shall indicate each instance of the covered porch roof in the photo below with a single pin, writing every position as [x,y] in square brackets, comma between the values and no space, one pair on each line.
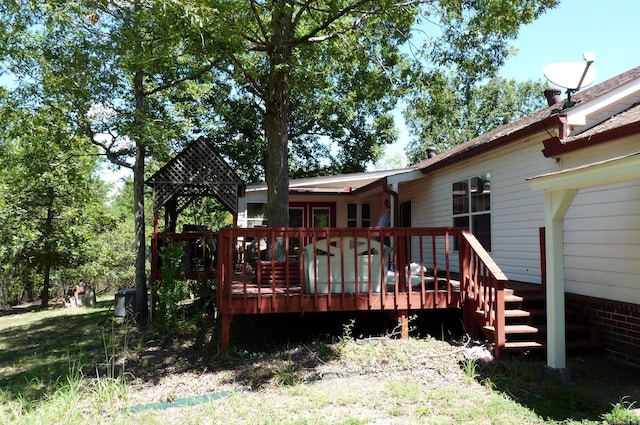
[560,189]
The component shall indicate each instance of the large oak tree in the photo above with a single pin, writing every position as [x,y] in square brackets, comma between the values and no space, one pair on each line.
[308,69]
[302,69]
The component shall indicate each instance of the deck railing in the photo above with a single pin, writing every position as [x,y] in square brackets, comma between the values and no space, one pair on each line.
[280,270]
[276,269]
[197,253]
[483,295]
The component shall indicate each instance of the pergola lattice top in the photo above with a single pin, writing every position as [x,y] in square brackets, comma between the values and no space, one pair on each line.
[195,172]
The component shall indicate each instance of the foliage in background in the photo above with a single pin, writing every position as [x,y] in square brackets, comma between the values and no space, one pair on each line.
[113,267]
[171,291]
[52,204]
[207,212]
[287,88]
[90,240]
[139,55]
[443,112]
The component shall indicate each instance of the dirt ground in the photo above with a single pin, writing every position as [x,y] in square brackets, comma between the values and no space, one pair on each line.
[612,380]
[163,373]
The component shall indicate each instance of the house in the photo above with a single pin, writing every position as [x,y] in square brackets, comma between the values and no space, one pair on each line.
[348,200]
[551,201]
[572,171]
[575,172]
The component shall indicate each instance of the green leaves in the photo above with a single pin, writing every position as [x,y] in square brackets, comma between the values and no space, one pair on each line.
[446,113]
[51,206]
[475,33]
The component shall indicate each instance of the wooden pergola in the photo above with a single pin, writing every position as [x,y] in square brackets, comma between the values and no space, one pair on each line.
[198,171]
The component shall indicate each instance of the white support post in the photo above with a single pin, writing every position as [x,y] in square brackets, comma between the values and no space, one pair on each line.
[557,204]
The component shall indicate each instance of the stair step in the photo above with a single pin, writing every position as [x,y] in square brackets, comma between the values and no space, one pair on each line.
[513,299]
[521,345]
[515,329]
[516,312]
[510,312]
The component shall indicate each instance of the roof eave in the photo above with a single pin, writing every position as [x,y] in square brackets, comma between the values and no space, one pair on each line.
[554,146]
[473,150]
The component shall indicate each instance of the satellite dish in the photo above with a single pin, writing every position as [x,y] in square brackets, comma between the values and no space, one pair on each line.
[571,75]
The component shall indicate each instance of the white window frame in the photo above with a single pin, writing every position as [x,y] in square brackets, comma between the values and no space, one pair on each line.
[470,214]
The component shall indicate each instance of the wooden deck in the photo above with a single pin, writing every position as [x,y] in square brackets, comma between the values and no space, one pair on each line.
[286,270]
[249,297]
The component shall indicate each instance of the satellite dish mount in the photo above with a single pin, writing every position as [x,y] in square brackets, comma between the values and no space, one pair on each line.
[571,75]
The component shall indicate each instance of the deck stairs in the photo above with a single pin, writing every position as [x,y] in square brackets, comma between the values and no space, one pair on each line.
[525,323]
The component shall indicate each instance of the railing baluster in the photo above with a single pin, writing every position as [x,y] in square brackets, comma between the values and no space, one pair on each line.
[239,269]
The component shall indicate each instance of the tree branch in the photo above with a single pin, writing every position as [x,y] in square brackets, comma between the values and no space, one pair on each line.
[255,85]
[178,81]
[261,25]
[313,37]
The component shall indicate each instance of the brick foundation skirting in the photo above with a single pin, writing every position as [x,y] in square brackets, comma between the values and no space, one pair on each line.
[618,321]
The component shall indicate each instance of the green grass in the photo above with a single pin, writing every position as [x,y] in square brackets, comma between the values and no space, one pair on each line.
[47,357]
[43,349]
[525,381]
[39,346]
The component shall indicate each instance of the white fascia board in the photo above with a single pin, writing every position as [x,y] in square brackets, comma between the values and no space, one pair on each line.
[579,113]
[348,179]
[614,170]
[405,177]
[354,180]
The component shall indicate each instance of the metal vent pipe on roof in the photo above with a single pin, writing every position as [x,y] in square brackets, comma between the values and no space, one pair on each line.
[553,95]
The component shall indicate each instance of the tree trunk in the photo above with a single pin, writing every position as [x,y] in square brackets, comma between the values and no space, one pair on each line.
[46,283]
[142,310]
[47,249]
[276,123]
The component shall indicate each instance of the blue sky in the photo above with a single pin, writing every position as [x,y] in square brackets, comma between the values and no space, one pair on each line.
[606,28]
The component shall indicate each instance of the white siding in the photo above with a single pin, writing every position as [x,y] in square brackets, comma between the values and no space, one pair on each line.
[517,212]
[602,227]
[602,243]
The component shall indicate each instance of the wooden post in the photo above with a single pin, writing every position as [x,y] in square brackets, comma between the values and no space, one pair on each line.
[499,322]
[403,322]
[225,321]
[468,304]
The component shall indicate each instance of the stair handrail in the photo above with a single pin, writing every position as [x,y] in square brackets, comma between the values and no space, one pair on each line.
[482,286]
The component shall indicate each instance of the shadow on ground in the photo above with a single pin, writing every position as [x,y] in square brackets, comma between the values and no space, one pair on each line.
[44,351]
[277,330]
[597,384]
